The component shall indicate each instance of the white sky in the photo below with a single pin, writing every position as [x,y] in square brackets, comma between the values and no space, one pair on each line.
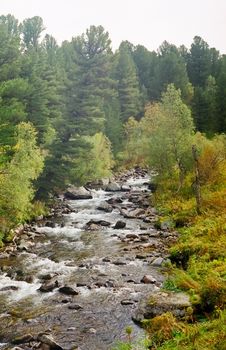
[146,22]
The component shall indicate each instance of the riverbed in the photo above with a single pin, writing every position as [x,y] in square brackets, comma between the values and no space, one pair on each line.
[103,265]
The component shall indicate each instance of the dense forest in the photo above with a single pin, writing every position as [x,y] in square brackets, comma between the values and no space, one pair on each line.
[78,111]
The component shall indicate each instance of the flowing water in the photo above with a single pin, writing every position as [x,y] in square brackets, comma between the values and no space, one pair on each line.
[103,267]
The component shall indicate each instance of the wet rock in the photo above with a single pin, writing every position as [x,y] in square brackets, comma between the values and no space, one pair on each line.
[46,277]
[66,300]
[77,193]
[104,206]
[97,223]
[48,286]
[24,245]
[8,288]
[22,339]
[127,302]
[68,290]
[92,227]
[133,214]
[114,201]
[148,279]
[106,259]
[99,284]
[4,255]
[50,224]
[119,262]
[141,256]
[75,307]
[159,303]
[119,225]
[157,262]
[152,187]
[125,188]
[47,339]
[132,236]
[113,187]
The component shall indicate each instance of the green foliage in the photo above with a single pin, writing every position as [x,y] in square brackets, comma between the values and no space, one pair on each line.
[128,84]
[95,164]
[16,176]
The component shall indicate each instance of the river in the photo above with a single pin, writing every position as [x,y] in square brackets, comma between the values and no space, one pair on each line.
[104,265]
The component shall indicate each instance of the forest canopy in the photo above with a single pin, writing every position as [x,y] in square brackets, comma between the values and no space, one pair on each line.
[69,113]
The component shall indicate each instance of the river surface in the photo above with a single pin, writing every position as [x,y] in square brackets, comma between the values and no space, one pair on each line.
[103,265]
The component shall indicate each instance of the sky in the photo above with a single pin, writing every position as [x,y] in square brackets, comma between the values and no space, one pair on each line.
[145,22]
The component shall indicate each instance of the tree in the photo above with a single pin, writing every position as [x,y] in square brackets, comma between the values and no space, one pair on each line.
[171,69]
[199,62]
[205,107]
[16,176]
[128,84]
[91,83]
[31,30]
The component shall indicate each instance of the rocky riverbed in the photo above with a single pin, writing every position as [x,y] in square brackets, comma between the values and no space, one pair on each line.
[76,279]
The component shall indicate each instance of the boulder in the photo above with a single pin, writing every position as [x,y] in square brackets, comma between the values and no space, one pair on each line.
[133,214]
[114,200]
[77,193]
[157,262]
[48,340]
[74,307]
[68,290]
[125,188]
[119,225]
[113,187]
[160,303]
[48,286]
[97,223]
[148,279]
[26,338]
[8,288]
[104,206]
[132,236]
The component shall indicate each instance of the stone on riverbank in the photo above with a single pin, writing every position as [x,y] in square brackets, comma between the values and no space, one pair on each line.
[162,302]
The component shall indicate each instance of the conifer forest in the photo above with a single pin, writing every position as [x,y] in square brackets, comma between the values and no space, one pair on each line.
[112,192]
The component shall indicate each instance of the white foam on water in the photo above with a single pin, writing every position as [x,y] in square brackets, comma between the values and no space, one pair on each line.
[45,265]
[24,289]
[59,231]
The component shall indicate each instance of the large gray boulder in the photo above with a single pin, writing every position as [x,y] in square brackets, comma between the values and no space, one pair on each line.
[77,193]
[113,187]
[161,302]
[105,206]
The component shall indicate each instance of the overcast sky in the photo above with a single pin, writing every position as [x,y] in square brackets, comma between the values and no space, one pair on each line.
[146,22]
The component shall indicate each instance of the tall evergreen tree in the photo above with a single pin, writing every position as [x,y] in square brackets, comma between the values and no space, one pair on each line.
[128,84]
